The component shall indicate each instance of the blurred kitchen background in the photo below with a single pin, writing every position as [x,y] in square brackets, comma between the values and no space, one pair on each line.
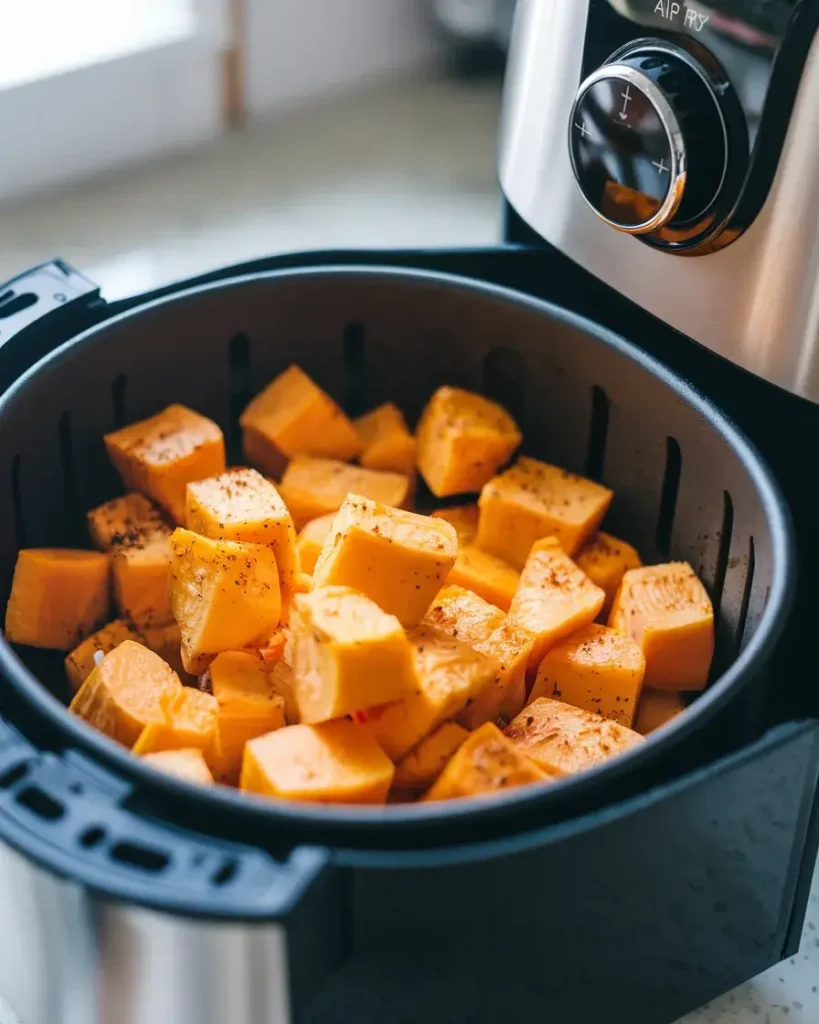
[146,140]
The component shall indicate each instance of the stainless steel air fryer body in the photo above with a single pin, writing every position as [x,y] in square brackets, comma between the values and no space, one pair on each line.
[672,150]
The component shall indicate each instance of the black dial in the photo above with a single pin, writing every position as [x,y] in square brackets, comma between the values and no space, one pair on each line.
[648,141]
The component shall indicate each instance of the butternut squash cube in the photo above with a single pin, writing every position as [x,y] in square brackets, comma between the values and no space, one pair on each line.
[666,609]
[386,440]
[597,669]
[128,690]
[312,539]
[190,723]
[554,598]
[347,655]
[489,576]
[398,559]
[333,762]
[225,595]
[313,488]
[504,697]
[82,661]
[465,520]
[189,765]
[240,504]
[462,440]
[58,597]
[291,417]
[657,707]
[422,766]
[125,522]
[161,455]
[605,560]
[450,674]
[249,704]
[564,740]
[462,614]
[534,500]
[486,762]
[166,641]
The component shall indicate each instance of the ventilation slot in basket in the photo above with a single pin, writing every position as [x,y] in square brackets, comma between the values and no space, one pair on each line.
[142,857]
[504,380]
[598,432]
[119,387]
[668,499]
[40,803]
[354,340]
[746,597]
[723,553]
[240,390]
[226,873]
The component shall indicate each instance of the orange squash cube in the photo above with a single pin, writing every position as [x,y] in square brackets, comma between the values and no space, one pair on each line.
[534,500]
[422,766]
[82,661]
[554,598]
[462,440]
[334,762]
[465,520]
[125,522]
[597,669]
[58,597]
[128,690]
[398,559]
[666,609]
[564,740]
[605,560]
[291,417]
[190,723]
[657,707]
[225,596]
[312,539]
[386,440]
[161,455]
[506,694]
[166,641]
[463,614]
[347,655]
[313,488]
[450,674]
[489,576]
[486,762]
[188,765]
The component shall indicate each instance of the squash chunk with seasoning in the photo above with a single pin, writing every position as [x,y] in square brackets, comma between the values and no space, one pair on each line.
[462,614]
[291,417]
[188,765]
[506,694]
[564,740]
[317,487]
[465,520]
[312,539]
[462,440]
[333,762]
[249,704]
[166,641]
[82,661]
[450,675]
[605,560]
[489,576]
[666,609]
[134,531]
[534,500]
[554,598]
[486,762]
[58,597]
[160,456]
[597,669]
[240,504]
[129,689]
[398,559]
[386,440]
[422,766]
[190,722]
[225,595]
[347,655]
[656,708]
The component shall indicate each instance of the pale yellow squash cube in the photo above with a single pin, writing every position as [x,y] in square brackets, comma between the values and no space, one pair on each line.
[534,500]
[386,440]
[312,488]
[333,762]
[188,765]
[58,597]
[463,614]
[506,694]
[190,723]
[465,520]
[398,559]
[125,522]
[347,654]
[605,560]
[166,641]
[225,595]
[489,576]
[597,669]
[485,763]
[82,661]
[294,416]
[656,708]
[667,610]
[161,455]
[554,598]
[450,674]
[564,740]
[312,539]
[463,439]
[422,766]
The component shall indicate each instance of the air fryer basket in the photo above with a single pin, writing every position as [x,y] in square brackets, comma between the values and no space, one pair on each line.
[686,484]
